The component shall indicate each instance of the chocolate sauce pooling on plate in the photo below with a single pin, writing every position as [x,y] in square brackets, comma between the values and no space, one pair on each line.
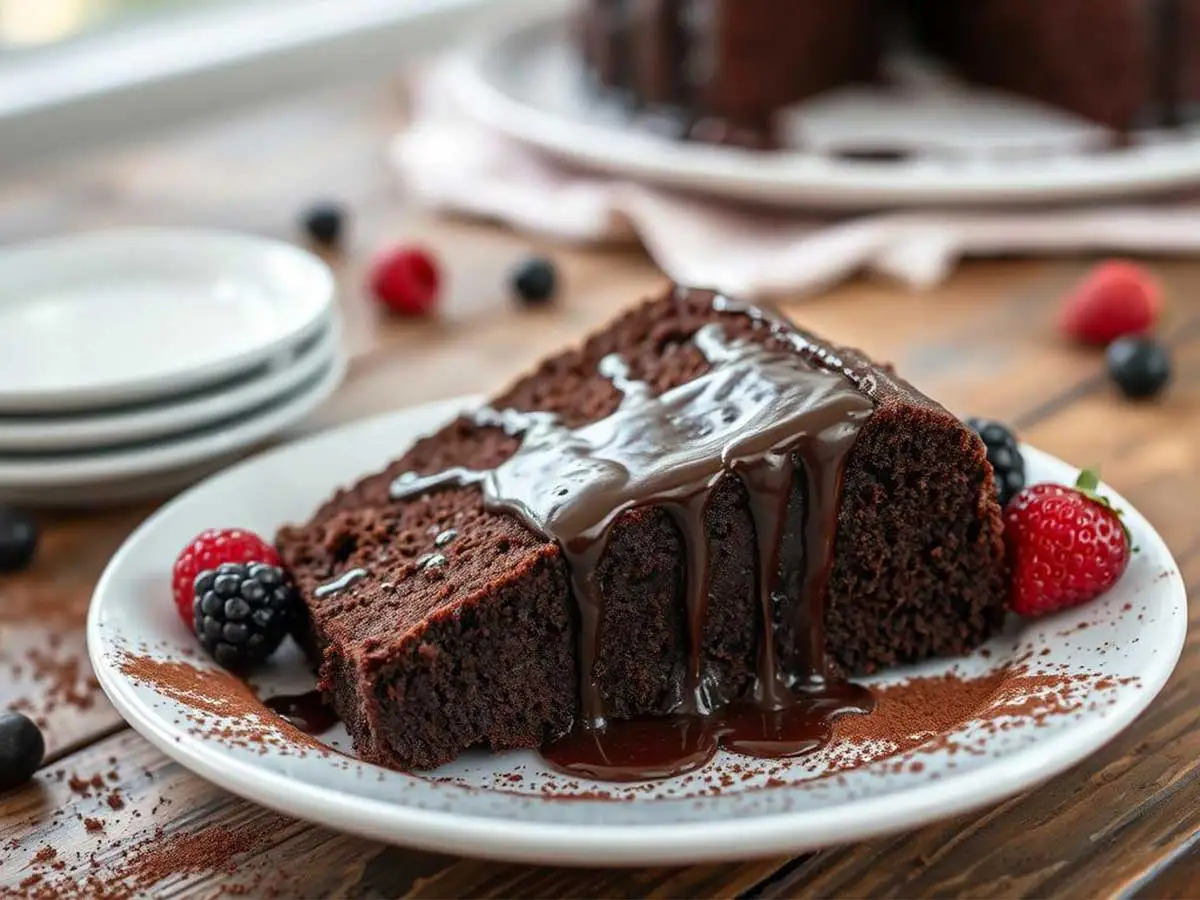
[307,711]
[767,417]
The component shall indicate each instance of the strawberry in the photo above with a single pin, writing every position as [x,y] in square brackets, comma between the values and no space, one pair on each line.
[208,550]
[1115,299]
[1066,545]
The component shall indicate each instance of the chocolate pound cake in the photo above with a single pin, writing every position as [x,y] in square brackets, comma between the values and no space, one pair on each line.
[703,520]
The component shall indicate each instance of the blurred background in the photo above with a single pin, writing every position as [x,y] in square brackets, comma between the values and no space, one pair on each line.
[29,24]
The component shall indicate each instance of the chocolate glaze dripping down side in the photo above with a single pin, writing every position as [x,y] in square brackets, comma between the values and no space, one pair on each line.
[768,417]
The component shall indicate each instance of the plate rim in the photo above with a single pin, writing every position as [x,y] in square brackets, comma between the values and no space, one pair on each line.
[157,456]
[618,845]
[88,430]
[779,179]
[323,290]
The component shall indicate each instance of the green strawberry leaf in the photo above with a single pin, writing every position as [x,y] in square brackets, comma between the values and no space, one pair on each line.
[1088,484]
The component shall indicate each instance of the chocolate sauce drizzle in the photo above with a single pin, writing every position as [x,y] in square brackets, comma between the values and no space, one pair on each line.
[764,416]
[339,584]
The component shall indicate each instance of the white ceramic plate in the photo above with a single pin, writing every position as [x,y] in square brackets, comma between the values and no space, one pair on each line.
[524,80]
[508,806]
[227,400]
[112,475]
[113,317]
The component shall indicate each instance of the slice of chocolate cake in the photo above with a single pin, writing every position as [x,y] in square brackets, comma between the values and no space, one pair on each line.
[703,519]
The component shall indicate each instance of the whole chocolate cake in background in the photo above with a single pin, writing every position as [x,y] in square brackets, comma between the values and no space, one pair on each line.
[721,70]
[703,519]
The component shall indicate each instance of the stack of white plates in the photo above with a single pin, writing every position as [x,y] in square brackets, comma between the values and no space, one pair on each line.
[134,362]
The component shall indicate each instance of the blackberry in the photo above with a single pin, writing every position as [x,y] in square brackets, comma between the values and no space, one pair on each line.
[535,280]
[1140,366]
[22,749]
[242,612]
[1008,466]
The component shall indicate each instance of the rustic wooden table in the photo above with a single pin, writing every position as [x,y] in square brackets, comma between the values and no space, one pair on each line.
[1124,822]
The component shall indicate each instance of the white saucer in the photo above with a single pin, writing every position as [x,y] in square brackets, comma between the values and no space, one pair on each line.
[1123,647]
[114,317]
[524,80]
[227,400]
[160,466]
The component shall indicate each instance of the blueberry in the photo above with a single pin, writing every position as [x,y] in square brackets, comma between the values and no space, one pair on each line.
[18,539]
[1003,452]
[325,223]
[22,749]
[1140,366]
[535,280]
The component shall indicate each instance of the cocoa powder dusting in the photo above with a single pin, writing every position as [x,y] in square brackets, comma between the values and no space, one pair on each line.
[226,708]
[922,713]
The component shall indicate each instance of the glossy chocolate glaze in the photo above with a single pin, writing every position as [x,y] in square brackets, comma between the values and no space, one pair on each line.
[339,584]
[765,416]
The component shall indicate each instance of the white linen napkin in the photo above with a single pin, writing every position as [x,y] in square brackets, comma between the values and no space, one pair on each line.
[448,161]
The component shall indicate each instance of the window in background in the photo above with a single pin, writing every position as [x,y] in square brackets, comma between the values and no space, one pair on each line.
[31,23]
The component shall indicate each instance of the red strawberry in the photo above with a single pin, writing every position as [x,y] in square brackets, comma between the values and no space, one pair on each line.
[406,280]
[207,551]
[1115,299]
[1067,546]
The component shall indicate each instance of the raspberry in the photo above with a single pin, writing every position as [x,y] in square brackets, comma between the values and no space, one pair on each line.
[406,280]
[1066,545]
[242,613]
[210,549]
[1115,299]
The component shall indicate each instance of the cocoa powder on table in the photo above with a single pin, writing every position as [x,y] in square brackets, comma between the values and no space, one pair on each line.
[134,870]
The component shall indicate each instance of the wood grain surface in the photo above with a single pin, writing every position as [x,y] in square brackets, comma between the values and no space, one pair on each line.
[1122,823]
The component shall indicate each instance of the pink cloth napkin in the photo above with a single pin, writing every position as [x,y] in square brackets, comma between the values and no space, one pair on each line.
[448,161]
